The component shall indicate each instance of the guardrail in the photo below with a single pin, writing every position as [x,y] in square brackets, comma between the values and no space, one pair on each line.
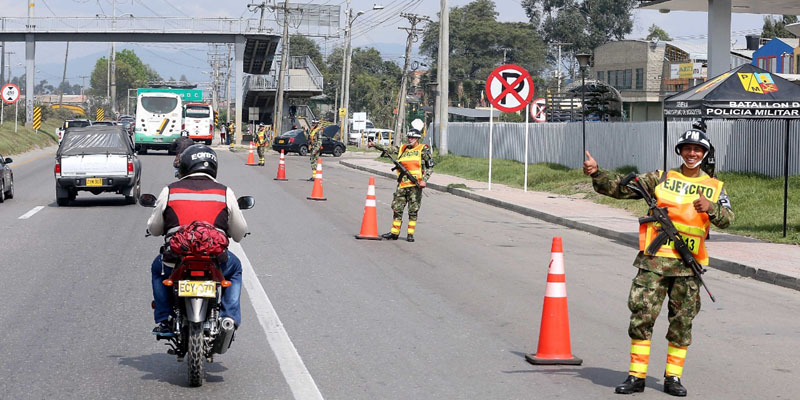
[270,82]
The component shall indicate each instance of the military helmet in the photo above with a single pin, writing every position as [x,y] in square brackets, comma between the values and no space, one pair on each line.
[700,125]
[693,136]
[198,158]
[414,133]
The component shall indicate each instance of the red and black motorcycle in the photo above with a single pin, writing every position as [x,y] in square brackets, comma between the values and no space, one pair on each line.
[197,284]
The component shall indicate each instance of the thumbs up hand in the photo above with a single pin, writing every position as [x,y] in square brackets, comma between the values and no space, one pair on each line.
[590,165]
[702,205]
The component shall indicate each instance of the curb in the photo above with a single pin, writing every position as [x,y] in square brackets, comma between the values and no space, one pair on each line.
[627,239]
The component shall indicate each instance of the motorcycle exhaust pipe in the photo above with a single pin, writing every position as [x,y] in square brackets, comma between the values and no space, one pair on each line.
[225,337]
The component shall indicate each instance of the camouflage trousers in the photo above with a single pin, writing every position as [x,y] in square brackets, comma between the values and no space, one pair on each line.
[260,150]
[314,156]
[409,195]
[647,296]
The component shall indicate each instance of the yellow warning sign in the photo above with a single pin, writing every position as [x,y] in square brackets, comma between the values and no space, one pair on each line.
[37,117]
[342,111]
[101,114]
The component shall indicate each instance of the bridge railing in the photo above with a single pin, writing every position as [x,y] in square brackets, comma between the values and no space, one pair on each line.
[270,82]
[127,24]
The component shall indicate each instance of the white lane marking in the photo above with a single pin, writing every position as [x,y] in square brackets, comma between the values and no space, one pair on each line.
[297,376]
[30,213]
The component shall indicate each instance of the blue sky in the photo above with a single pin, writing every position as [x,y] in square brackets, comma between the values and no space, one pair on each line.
[374,28]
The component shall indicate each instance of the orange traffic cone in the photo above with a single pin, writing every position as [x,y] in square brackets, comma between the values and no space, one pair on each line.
[316,192]
[554,345]
[250,159]
[369,224]
[281,169]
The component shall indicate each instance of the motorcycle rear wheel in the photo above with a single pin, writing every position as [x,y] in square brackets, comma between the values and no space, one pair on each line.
[196,354]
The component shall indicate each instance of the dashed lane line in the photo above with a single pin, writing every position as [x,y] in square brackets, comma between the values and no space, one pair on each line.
[30,213]
[294,370]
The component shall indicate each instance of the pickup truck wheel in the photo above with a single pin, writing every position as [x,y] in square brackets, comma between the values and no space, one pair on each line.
[303,151]
[135,193]
[2,192]
[62,201]
[72,195]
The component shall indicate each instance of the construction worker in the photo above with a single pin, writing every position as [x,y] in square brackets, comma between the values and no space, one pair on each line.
[314,146]
[417,159]
[231,135]
[262,141]
[694,201]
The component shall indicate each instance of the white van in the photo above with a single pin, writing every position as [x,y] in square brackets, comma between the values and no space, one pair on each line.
[382,136]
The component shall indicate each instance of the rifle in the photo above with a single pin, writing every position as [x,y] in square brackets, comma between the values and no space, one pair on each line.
[667,230]
[401,169]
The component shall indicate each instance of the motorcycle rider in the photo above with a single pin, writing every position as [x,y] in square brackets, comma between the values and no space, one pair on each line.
[196,196]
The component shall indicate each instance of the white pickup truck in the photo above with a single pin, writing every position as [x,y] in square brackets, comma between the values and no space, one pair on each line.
[96,159]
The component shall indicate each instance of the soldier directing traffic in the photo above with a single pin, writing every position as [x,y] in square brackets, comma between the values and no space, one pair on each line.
[262,141]
[314,146]
[694,200]
[417,160]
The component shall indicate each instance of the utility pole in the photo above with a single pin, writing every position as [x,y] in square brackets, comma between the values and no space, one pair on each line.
[444,75]
[228,85]
[253,6]
[558,62]
[344,128]
[113,72]
[277,115]
[63,78]
[348,58]
[413,19]
[3,64]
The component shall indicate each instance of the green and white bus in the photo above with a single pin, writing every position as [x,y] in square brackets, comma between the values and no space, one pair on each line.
[159,116]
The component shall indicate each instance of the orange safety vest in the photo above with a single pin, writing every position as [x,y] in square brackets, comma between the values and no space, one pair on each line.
[677,192]
[411,158]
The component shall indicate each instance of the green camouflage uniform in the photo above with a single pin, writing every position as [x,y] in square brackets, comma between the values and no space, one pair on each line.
[662,276]
[411,195]
[315,142]
[262,141]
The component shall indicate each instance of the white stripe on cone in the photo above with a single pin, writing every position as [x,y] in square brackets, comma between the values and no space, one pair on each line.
[370,203]
[556,290]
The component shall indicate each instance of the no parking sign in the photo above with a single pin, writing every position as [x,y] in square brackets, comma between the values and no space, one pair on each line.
[509,88]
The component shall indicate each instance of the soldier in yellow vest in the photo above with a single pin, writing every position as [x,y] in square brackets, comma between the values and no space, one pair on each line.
[694,201]
[262,141]
[314,146]
[417,159]
[232,135]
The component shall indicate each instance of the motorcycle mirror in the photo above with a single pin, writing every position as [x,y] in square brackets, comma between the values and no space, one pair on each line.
[246,202]
[147,200]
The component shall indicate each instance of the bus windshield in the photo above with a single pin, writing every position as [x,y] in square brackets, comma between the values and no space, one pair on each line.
[159,105]
[198,112]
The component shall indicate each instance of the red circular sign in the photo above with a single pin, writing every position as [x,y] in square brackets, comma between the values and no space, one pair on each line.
[537,110]
[10,93]
[509,88]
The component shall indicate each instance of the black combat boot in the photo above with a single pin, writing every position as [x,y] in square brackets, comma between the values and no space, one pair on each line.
[672,385]
[390,236]
[631,385]
[410,237]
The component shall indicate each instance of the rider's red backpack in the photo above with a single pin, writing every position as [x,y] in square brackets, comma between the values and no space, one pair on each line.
[198,238]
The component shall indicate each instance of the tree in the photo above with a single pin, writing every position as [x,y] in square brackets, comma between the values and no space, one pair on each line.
[132,73]
[300,45]
[586,24]
[776,28]
[656,33]
[478,44]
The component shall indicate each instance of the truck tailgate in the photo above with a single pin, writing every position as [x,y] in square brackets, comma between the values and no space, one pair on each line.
[94,165]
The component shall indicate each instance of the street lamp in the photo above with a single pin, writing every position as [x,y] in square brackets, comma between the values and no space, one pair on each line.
[583,61]
[348,57]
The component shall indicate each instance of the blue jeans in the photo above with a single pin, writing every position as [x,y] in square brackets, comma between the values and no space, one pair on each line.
[232,271]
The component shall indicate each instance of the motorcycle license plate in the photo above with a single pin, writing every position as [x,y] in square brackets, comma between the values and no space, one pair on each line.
[197,289]
[94,181]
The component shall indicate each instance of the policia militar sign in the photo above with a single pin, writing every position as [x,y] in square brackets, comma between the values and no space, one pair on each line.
[746,92]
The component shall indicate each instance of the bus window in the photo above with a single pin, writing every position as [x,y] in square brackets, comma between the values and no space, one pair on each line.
[159,105]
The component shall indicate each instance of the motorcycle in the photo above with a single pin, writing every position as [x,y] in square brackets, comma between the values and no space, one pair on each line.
[197,283]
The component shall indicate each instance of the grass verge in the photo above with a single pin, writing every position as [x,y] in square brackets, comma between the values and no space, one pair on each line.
[757,200]
[26,139]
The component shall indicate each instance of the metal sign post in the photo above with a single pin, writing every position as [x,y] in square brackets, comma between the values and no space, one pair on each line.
[527,128]
[509,88]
